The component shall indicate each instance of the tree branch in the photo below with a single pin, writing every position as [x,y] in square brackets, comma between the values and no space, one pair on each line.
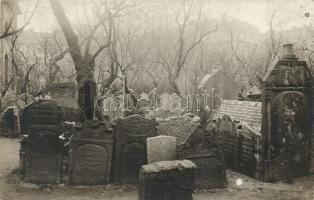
[7,31]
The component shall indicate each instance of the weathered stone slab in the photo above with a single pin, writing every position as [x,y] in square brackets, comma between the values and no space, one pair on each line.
[45,168]
[204,150]
[41,149]
[167,180]
[161,148]
[90,154]
[130,147]
[181,127]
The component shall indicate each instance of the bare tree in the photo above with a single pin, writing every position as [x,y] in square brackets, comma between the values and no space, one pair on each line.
[29,66]
[23,65]
[8,84]
[84,63]
[245,61]
[53,52]
[274,39]
[174,63]
[10,29]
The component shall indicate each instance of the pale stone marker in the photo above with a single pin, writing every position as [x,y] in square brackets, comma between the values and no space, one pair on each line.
[161,148]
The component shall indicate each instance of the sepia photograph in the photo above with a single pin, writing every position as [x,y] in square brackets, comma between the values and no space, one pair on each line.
[156,99]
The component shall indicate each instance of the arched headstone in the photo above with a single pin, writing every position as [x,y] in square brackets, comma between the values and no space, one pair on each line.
[41,149]
[130,147]
[91,154]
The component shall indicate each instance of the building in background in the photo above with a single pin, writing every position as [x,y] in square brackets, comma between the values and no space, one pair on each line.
[9,11]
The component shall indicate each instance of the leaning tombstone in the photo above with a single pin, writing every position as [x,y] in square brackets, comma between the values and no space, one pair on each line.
[130,147]
[167,180]
[90,154]
[41,149]
[161,148]
[204,150]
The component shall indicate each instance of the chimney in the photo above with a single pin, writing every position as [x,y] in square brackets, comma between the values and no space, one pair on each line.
[287,52]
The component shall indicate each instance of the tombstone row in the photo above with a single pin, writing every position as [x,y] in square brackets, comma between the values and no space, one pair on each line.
[98,152]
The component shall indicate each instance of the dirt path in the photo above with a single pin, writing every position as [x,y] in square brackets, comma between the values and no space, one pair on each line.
[12,189]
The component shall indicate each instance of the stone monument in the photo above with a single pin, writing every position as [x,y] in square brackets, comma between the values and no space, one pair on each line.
[167,180]
[287,118]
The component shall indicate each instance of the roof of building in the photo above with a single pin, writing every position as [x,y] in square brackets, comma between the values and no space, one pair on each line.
[269,70]
[254,90]
[249,113]
[207,77]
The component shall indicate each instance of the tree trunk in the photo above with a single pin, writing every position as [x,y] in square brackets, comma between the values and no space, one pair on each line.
[84,68]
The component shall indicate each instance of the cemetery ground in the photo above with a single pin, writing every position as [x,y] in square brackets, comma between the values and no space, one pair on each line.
[240,186]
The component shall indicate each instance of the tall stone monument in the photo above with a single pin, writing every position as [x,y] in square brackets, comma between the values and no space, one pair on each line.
[287,118]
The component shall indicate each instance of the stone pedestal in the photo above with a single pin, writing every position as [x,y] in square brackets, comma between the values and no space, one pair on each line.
[161,148]
[167,180]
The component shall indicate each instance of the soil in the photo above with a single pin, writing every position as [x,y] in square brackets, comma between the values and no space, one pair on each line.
[240,187]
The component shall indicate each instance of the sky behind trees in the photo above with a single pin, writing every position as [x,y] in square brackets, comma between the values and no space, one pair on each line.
[255,12]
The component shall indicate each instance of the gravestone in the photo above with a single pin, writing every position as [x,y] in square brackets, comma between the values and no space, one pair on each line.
[41,149]
[91,154]
[130,151]
[205,151]
[10,122]
[167,180]
[161,148]
[229,138]
[180,127]
[65,94]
